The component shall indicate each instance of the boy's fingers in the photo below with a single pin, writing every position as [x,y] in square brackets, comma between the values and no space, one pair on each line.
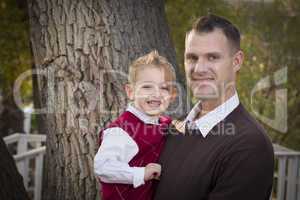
[158,167]
[157,176]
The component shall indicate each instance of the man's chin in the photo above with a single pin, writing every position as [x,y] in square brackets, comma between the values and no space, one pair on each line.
[206,95]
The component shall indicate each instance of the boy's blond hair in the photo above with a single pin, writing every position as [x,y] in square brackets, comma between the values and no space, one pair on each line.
[152,59]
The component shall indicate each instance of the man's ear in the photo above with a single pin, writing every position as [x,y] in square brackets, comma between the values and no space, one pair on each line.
[129,91]
[238,60]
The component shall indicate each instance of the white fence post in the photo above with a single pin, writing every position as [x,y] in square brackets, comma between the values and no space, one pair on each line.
[39,162]
[23,166]
[288,177]
[27,119]
[25,154]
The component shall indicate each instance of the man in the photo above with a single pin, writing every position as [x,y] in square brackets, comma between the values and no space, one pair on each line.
[224,154]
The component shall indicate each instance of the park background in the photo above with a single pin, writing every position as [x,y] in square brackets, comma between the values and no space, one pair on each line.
[267,83]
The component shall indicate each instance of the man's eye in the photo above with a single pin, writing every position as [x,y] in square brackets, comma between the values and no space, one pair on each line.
[212,57]
[194,58]
[191,58]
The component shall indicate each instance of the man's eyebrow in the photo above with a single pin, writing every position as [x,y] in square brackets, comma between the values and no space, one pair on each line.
[213,53]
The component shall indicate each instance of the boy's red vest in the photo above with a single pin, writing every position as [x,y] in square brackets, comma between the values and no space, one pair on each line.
[150,140]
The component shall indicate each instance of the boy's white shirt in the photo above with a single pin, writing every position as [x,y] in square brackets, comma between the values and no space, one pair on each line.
[116,151]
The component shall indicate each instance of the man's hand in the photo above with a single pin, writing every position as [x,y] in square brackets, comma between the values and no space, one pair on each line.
[152,171]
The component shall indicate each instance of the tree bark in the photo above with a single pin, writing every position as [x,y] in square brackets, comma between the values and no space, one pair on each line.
[81,50]
[12,187]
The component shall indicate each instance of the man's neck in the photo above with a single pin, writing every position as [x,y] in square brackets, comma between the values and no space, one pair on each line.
[208,105]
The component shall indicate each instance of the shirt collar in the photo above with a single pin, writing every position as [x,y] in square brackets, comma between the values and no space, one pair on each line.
[209,120]
[142,116]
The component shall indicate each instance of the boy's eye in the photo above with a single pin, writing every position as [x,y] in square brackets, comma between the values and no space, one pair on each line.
[165,88]
[146,86]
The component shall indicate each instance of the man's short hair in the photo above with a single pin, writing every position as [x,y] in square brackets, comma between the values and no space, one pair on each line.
[209,23]
[152,59]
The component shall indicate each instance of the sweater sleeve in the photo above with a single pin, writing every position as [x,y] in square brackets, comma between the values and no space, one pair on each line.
[245,174]
[111,161]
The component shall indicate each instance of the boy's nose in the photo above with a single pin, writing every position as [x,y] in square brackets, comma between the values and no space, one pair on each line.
[156,92]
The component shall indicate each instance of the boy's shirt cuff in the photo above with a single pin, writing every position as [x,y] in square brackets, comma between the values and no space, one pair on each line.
[138,176]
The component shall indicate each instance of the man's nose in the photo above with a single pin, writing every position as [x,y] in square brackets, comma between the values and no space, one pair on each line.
[200,66]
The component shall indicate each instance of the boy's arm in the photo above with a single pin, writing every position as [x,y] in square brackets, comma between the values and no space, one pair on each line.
[111,161]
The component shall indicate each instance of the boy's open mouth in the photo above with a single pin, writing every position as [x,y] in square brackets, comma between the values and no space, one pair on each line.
[154,103]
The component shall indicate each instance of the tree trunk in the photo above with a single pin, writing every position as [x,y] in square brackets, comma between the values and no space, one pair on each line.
[12,187]
[81,53]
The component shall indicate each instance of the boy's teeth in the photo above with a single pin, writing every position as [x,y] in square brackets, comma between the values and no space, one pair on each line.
[154,102]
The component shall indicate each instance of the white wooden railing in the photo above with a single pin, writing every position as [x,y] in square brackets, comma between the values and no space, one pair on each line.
[29,147]
[29,151]
[287,175]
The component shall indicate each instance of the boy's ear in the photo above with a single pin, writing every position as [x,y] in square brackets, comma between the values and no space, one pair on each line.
[129,91]
[174,94]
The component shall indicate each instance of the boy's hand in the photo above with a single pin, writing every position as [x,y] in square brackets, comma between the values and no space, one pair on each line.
[152,171]
[179,125]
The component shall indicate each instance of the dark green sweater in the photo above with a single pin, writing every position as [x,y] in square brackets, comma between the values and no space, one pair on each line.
[235,161]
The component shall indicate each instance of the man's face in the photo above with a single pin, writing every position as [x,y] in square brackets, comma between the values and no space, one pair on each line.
[210,63]
[151,93]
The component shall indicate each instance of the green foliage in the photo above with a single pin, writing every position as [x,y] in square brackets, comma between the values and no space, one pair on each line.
[181,13]
[269,40]
[15,56]
[270,33]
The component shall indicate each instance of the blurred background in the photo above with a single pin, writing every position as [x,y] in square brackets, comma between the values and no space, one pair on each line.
[270,38]
[271,41]
[268,83]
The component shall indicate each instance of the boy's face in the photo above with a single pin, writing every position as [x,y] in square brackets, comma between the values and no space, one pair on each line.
[151,93]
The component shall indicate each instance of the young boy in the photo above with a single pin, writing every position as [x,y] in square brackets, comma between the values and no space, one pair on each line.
[130,146]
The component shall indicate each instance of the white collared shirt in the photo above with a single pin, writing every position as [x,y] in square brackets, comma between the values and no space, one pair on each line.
[142,116]
[212,118]
[116,151]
